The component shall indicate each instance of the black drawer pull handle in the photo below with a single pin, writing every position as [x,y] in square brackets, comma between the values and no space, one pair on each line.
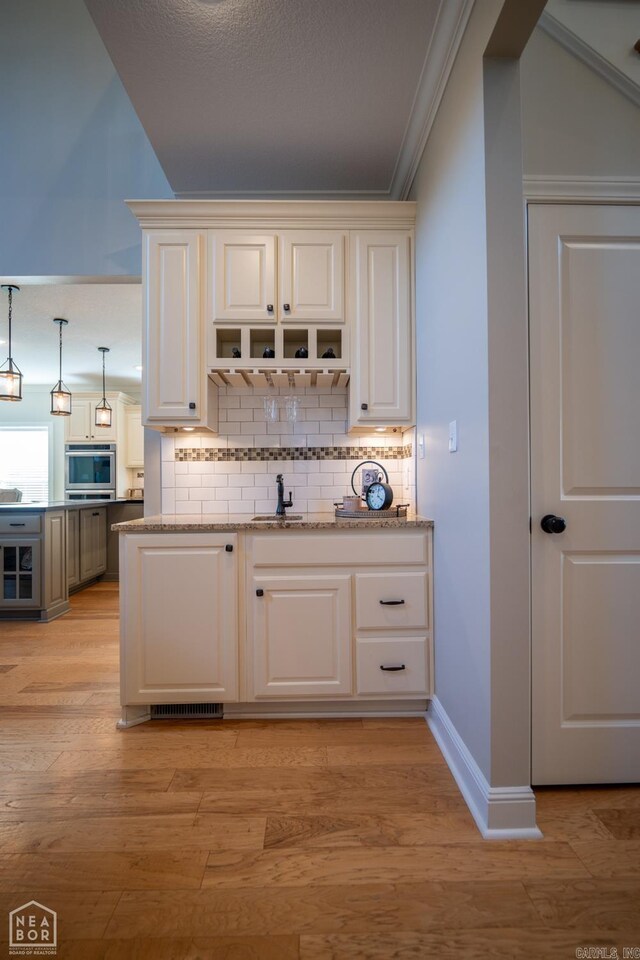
[393,669]
[17,524]
[229,548]
[392,603]
[259,593]
[96,513]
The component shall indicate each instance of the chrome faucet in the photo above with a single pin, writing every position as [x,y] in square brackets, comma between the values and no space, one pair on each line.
[282,503]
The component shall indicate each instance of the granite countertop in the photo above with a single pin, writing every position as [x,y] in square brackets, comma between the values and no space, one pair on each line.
[210,523]
[44,505]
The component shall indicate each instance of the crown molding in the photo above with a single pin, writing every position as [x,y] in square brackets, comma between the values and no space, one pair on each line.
[238,214]
[451,23]
[571,42]
[581,189]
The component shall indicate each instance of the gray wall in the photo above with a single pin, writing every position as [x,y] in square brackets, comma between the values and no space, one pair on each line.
[472,367]
[72,148]
[575,124]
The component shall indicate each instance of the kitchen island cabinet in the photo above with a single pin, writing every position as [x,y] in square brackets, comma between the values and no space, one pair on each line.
[46,550]
[319,617]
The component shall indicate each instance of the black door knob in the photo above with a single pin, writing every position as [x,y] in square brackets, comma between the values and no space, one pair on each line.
[229,548]
[364,406]
[552,524]
[286,307]
[269,308]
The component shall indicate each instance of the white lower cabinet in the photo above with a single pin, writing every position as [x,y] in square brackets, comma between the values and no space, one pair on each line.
[301,635]
[179,618]
[306,616]
[344,615]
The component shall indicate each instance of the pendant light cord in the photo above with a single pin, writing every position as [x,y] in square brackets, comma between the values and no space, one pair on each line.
[10,311]
[60,375]
[104,389]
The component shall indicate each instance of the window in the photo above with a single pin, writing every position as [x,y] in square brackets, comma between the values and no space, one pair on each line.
[24,461]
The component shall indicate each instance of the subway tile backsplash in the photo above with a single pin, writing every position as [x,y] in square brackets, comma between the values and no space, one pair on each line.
[235,471]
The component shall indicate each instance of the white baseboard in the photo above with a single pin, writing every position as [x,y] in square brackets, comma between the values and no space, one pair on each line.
[501,813]
[132,716]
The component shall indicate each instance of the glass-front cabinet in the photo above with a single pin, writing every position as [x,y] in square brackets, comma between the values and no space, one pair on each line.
[20,572]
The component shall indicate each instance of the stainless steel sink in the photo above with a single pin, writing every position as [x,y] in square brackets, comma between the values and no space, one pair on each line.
[273,517]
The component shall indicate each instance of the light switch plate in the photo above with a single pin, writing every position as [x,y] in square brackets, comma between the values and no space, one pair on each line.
[421,446]
[453,436]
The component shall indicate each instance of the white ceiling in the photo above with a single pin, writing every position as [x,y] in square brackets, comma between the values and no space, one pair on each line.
[99,315]
[287,97]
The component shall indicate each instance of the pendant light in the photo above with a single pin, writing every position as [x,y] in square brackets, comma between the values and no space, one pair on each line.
[60,396]
[103,409]
[10,373]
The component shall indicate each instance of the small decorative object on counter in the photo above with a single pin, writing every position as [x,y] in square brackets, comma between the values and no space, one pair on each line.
[236,354]
[268,353]
[377,496]
[301,353]
[329,354]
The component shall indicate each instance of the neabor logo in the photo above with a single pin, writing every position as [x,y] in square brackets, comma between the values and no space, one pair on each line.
[33,930]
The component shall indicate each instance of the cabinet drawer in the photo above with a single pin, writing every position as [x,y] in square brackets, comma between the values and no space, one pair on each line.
[408,654]
[17,524]
[391,600]
[339,549]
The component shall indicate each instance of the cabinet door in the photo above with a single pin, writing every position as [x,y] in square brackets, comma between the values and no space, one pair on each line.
[311,276]
[180,621]
[244,271]
[381,388]
[301,636]
[78,425]
[99,518]
[173,356]
[93,542]
[73,548]
[134,448]
[20,573]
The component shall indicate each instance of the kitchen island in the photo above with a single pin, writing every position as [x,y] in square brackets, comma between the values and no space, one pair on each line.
[49,549]
[312,617]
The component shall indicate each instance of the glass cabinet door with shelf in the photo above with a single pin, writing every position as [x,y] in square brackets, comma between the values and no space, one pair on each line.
[20,573]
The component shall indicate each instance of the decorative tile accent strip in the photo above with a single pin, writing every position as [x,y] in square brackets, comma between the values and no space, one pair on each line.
[220,454]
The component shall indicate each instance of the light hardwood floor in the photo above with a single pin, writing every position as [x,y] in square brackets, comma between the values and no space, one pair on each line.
[305,840]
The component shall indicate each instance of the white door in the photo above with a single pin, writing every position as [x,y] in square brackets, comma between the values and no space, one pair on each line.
[245,273]
[301,636]
[585,469]
[382,368]
[312,276]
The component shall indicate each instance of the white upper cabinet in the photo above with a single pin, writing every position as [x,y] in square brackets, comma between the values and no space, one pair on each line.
[174,388]
[295,275]
[134,446]
[382,373]
[244,276]
[81,425]
[311,276]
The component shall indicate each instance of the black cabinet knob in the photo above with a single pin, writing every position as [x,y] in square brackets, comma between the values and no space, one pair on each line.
[259,593]
[552,524]
[192,406]
[364,406]
[286,307]
[269,308]
[229,548]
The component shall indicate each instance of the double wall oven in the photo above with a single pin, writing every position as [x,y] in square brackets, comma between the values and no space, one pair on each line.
[90,471]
